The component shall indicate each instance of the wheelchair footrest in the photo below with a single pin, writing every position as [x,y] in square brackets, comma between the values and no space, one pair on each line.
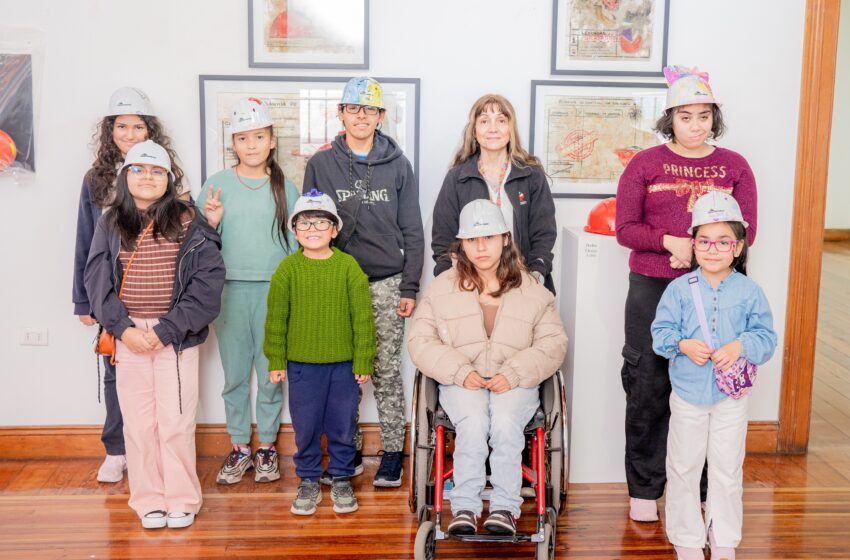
[484,537]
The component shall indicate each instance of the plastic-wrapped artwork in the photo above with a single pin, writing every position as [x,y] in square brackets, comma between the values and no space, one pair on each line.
[17,123]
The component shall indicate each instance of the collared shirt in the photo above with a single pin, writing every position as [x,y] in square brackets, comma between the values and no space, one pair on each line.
[737,309]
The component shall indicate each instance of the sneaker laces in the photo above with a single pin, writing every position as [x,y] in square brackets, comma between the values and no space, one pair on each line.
[234,456]
[343,489]
[305,491]
[265,455]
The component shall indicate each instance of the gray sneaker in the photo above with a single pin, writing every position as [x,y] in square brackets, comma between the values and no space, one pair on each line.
[309,496]
[342,495]
[266,465]
[234,466]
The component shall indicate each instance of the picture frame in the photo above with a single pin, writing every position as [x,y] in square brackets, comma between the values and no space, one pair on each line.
[304,110]
[308,34]
[586,132]
[609,37]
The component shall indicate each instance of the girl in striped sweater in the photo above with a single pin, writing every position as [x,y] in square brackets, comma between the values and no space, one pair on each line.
[154,278]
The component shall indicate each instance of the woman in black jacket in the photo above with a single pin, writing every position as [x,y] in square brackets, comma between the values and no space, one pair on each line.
[492,164]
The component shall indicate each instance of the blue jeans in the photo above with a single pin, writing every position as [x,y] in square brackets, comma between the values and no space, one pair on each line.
[478,415]
[112,435]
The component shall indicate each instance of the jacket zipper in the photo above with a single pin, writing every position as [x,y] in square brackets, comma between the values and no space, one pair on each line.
[180,269]
[495,323]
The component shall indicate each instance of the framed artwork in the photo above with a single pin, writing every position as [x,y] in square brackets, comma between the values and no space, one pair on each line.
[609,37]
[308,33]
[585,133]
[304,110]
[17,129]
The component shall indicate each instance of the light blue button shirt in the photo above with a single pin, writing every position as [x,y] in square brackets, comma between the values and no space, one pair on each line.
[737,309]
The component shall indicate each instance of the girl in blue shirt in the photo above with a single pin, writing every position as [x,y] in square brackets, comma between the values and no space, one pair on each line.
[705,423]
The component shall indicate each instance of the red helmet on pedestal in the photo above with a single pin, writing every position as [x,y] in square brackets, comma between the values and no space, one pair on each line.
[602,219]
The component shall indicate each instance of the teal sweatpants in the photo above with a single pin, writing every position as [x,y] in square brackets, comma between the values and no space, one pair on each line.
[240,329]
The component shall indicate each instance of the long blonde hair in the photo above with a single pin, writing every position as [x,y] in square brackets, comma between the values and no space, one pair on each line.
[469,146]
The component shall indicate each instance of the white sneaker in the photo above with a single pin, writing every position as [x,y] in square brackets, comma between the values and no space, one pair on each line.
[154,520]
[179,519]
[112,469]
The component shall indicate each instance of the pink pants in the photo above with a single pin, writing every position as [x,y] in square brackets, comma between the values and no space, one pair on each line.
[160,441]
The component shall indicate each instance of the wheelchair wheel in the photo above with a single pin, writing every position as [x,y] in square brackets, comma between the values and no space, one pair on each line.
[559,457]
[425,547]
[546,548]
[421,452]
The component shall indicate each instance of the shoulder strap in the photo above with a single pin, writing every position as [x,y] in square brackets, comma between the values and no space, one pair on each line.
[133,256]
[693,280]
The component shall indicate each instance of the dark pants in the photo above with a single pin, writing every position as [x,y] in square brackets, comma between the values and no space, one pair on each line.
[323,399]
[112,435]
[646,382]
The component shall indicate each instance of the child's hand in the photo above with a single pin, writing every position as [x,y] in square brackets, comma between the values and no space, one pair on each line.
[727,355]
[277,376]
[153,340]
[87,320]
[697,350]
[213,208]
[474,382]
[361,379]
[135,340]
[405,307]
[499,384]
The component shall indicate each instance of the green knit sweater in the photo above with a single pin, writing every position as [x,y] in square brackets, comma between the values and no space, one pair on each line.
[320,312]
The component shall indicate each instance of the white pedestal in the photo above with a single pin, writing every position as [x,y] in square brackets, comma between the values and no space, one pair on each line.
[594,284]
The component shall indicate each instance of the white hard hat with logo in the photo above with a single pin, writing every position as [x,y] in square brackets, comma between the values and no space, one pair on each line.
[481,218]
[148,152]
[715,206]
[130,101]
[314,200]
[249,113]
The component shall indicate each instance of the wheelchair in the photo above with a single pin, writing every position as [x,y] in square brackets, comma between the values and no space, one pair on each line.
[547,446]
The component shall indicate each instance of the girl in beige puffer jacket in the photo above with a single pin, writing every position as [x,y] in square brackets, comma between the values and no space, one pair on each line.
[489,333]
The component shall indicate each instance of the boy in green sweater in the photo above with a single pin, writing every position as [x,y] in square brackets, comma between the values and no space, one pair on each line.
[320,333]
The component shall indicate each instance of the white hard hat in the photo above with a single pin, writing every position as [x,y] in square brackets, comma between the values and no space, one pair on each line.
[480,218]
[314,200]
[249,113]
[130,101]
[715,206]
[151,153]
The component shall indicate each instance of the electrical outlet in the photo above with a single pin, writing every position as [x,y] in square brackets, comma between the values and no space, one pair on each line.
[33,337]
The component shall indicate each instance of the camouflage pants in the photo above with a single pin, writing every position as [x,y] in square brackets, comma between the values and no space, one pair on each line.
[389,394]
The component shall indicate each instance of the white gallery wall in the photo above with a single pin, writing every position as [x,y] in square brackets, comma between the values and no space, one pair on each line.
[459,49]
[838,182]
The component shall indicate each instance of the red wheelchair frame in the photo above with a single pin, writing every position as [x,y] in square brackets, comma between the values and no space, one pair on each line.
[550,492]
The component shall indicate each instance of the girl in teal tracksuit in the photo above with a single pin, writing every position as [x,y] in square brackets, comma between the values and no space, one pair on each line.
[249,204]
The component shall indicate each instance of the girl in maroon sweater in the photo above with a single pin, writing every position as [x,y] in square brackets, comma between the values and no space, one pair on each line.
[655,197]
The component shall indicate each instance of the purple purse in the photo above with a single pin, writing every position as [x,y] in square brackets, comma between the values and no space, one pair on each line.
[739,378]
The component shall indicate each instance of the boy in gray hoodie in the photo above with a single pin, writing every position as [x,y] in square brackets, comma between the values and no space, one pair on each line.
[373,186]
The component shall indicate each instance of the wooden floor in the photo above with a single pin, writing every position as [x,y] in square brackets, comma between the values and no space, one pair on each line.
[794,507]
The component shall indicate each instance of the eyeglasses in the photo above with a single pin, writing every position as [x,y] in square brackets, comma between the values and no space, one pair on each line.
[320,225]
[155,172]
[722,245]
[353,109]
